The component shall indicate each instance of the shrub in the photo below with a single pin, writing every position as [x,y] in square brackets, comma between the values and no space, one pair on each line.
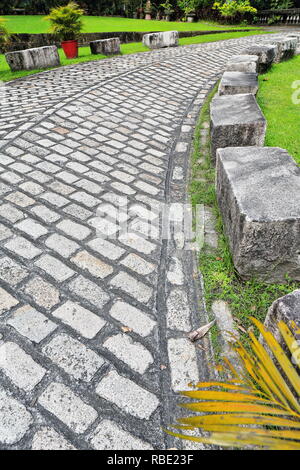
[66,21]
[235,10]
[4,35]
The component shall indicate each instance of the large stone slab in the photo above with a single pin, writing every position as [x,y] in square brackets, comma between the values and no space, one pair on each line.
[162,39]
[286,309]
[31,59]
[266,55]
[297,37]
[235,121]
[243,63]
[286,48]
[233,83]
[106,46]
[258,191]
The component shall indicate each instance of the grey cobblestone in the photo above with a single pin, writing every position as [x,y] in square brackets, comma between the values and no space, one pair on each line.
[73,357]
[68,407]
[19,367]
[31,323]
[87,322]
[15,420]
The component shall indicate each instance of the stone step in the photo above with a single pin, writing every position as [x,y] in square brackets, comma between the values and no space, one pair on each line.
[242,63]
[233,83]
[258,191]
[266,55]
[162,39]
[31,59]
[109,46]
[286,48]
[236,121]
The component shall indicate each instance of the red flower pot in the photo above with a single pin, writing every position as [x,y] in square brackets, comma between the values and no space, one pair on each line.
[70,49]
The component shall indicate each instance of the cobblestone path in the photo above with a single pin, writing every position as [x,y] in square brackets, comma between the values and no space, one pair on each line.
[93,332]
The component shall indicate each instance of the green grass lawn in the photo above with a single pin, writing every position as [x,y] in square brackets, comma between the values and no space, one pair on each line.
[131,48]
[95,24]
[275,98]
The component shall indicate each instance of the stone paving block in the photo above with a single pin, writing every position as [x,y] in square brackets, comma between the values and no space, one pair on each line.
[133,318]
[138,264]
[80,319]
[22,247]
[258,191]
[33,59]
[7,301]
[11,213]
[74,357]
[32,228]
[43,293]
[48,439]
[236,121]
[175,273]
[47,215]
[233,83]
[4,232]
[20,199]
[242,63]
[32,324]
[19,367]
[109,46]
[106,248]
[11,272]
[178,316]
[137,243]
[55,268]
[93,265]
[109,436]
[68,407]
[132,286]
[183,363]
[89,291]
[77,231]
[61,245]
[134,354]
[127,395]
[15,420]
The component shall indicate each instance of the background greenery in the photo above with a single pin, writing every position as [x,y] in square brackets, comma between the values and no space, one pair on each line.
[129,7]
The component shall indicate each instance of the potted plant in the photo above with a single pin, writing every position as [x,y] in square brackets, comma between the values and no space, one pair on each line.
[66,24]
[168,10]
[188,8]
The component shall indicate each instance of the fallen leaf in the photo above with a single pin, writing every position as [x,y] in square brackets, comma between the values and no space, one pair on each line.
[219,259]
[253,308]
[126,329]
[241,328]
[197,334]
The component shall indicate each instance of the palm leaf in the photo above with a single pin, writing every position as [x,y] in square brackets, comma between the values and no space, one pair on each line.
[258,407]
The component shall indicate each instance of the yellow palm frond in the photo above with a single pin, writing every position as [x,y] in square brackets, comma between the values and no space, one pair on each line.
[259,406]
